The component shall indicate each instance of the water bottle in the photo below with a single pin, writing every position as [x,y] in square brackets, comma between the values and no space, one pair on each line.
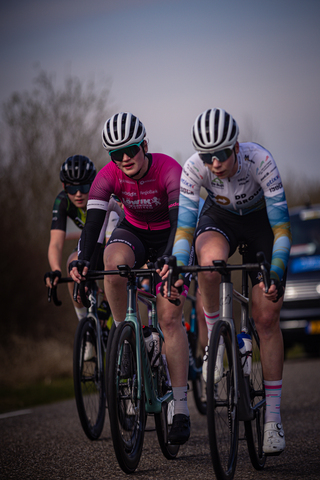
[156,347]
[245,347]
[152,341]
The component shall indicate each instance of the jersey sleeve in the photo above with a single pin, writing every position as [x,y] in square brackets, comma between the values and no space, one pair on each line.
[172,187]
[277,210]
[190,185]
[97,209]
[59,213]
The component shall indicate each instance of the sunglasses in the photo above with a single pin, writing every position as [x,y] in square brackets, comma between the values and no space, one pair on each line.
[72,189]
[131,151]
[222,156]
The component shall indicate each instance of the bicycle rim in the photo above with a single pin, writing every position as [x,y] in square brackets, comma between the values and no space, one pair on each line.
[254,430]
[126,411]
[89,382]
[162,419]
[222,413]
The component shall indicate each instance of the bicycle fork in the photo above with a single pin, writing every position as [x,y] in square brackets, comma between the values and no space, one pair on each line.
[226,315]
[242,390]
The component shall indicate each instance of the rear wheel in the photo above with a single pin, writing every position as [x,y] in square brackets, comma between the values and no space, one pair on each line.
[126,410]
[89,380]
[222,412]
[254,430]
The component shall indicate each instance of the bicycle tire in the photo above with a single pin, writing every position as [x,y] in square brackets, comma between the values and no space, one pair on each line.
[222,412]
[126,411]
[254,430]
[108,355]
[89,382]
[198,387]
[161,419]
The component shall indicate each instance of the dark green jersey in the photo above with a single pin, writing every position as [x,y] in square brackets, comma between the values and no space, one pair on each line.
[64,208]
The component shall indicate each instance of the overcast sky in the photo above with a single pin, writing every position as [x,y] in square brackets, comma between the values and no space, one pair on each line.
[169,60]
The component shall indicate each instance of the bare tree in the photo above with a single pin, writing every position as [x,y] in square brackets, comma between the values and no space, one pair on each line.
[39,129]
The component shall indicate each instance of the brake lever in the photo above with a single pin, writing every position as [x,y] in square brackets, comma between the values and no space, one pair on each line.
[172,278]
[265,269]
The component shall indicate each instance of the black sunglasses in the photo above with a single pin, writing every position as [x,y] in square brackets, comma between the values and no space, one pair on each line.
[222,156]
[131,151]
[72,189]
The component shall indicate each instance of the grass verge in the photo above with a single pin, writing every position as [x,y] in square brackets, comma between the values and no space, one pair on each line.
[40,393]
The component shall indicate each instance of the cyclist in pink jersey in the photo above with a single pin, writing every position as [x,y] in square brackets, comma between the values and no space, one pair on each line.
[148,185]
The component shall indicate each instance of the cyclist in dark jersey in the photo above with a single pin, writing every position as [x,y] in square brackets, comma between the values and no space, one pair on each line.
[77,174]
[148,185]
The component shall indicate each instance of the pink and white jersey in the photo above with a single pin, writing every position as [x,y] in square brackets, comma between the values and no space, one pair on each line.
[146,201]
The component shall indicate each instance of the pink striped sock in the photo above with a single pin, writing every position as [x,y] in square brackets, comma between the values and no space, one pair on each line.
[273,400]
[211,319]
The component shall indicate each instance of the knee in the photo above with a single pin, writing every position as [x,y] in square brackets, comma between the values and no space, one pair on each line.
[170,323]
[267,323]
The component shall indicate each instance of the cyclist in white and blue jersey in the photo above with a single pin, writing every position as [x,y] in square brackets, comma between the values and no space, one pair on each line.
[246,203]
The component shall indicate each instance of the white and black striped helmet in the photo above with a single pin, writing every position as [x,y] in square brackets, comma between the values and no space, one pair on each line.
[214,130]
[122,130]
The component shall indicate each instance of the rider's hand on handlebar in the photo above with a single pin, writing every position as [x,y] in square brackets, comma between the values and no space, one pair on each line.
[162,267]
[275,291]
[176,289]
[51,278]
[78,270]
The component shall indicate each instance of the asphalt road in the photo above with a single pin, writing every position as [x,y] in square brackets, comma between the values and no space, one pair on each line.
[48,442]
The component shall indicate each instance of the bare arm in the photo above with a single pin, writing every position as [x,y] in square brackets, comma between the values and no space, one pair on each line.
[57,238]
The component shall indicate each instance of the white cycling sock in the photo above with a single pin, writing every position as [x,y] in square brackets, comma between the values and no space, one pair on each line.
[211,319]
[273,400]
[180,400]
[80,312]
[116,323]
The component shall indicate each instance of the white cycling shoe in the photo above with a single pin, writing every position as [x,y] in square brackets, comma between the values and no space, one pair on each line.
[273,439]
[218,371]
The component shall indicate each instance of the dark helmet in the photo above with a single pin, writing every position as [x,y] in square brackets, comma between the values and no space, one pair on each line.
[77,170]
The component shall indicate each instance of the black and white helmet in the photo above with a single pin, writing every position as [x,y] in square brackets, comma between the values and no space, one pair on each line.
[77,170]
[122,130]
[214,130]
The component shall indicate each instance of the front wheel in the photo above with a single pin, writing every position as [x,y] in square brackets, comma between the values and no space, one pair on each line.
[222,411]
[126,410]
[254,430]
[199,389]
[89,380]
[163,420]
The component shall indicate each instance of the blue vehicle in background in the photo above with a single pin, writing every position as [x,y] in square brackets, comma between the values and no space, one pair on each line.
[300,314]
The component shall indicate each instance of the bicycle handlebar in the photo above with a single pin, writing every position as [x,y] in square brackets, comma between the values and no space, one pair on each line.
[221,267]
[80,288]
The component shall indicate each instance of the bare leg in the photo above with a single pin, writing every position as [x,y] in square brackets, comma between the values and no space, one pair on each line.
[210,246]
[266,315]
[115,287]
[202,326]
[176,342]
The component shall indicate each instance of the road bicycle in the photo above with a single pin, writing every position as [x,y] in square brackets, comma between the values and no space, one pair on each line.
[234,397]
[89,363]
[137,384]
